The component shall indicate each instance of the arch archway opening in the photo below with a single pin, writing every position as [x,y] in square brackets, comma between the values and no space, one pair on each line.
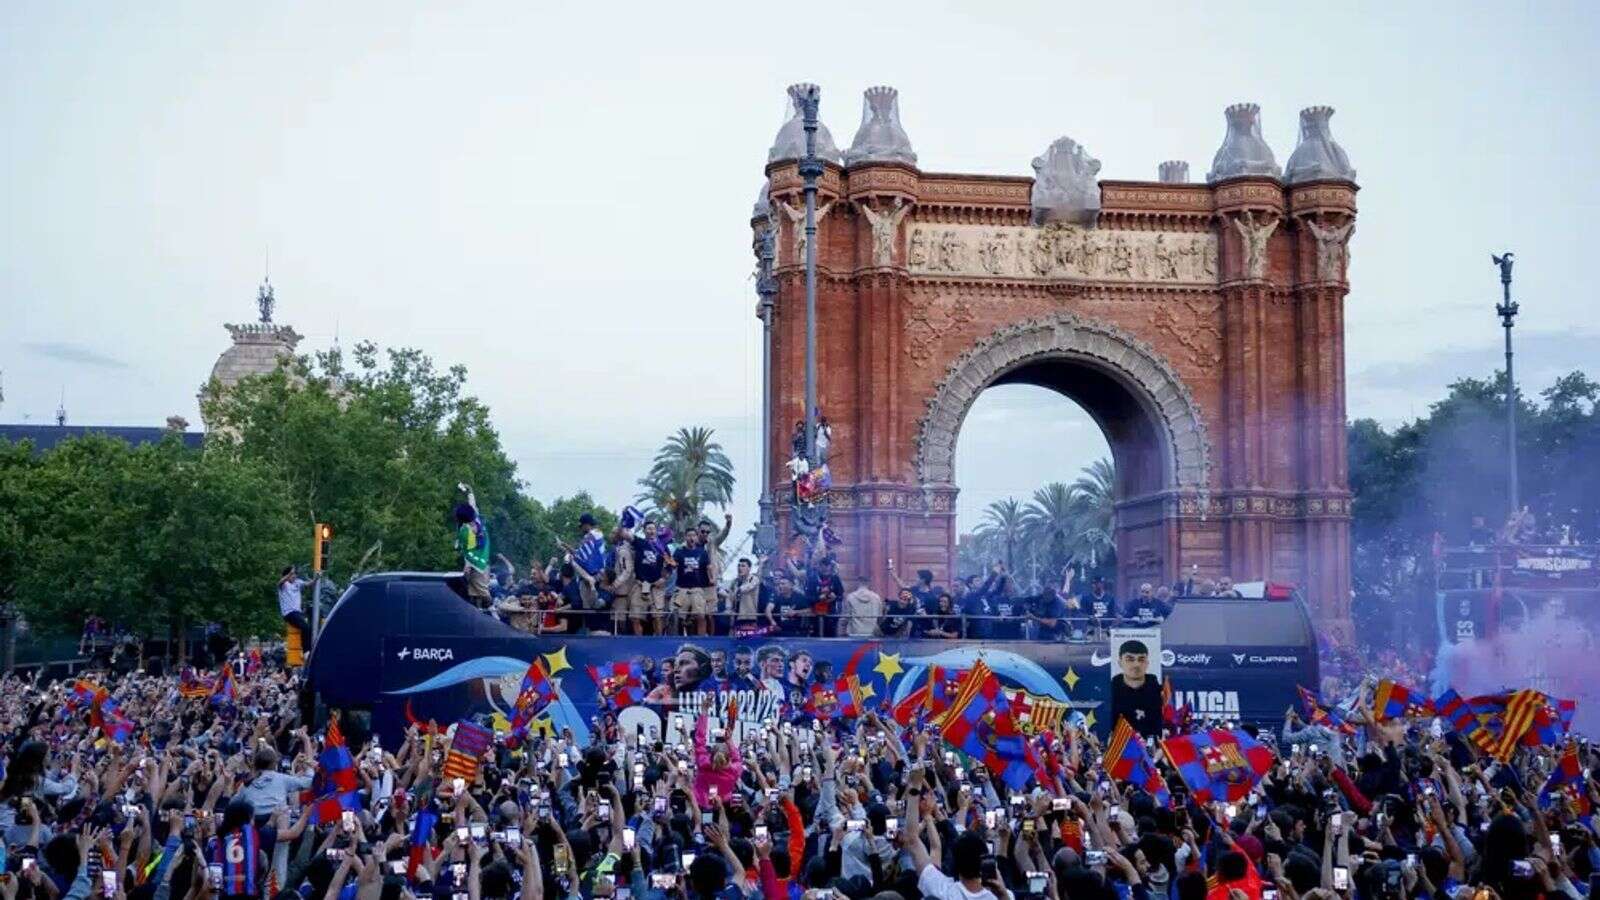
[1047,449]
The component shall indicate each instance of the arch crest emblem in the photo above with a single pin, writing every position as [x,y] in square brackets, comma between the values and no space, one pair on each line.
[1187,452]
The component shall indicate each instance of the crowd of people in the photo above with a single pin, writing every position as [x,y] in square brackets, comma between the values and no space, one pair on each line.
[209,794]
[641,579]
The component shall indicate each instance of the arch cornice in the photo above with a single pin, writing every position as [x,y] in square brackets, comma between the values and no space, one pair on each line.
[1187,453]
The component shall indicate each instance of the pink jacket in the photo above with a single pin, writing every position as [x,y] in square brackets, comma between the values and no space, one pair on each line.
[726,780]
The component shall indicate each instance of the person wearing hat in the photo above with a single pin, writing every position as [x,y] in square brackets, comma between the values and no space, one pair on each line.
[472,542]
[624,580]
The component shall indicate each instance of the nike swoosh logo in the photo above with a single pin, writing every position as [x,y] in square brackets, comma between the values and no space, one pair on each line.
[1095,659]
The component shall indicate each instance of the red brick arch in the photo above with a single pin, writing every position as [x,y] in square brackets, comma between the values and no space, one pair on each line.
[1201,325]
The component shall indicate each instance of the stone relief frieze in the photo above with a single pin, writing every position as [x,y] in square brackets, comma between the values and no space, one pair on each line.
[1055,252]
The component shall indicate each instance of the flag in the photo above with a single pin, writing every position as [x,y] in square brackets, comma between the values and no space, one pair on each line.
[333,786]
[190,686]
[1566,782]
[467,747]
[223,691]
[1460,714]
[1394,700]
[844,699]
[1566,711]
[1545,729]
[1504,730]
[1175,718]
[537,692]
[104,713]
[1220,764]
[591,553]
[1127,760]
[619,683]
[1317,714]
[979,724]
[421,836]
[921,702]
[116,726]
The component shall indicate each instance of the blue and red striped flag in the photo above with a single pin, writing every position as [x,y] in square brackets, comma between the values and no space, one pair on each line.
[537,692]
[1317,714]
[1393,700]
[223,691]
[1566,783]
[620,684]
[1220,764]
[333,787]
[1127,760]
[421,838]
[979,724]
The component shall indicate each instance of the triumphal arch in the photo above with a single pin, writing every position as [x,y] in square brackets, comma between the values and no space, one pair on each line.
[1200,323]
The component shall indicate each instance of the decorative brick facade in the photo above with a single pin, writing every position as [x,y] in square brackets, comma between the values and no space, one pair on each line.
[1201,325]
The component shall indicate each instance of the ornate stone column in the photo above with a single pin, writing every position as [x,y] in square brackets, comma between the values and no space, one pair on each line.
[1322,206]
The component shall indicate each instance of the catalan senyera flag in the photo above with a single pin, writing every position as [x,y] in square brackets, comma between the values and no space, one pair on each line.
[1317,714]
[467,747]
[1393,700]
[1502,734]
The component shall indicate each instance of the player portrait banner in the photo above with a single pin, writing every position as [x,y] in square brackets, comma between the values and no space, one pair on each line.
[659,685]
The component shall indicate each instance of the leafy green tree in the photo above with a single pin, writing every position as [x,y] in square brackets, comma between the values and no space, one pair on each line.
[1095,513]
[690,471]
[1003,529]
[376,449]
[153,537]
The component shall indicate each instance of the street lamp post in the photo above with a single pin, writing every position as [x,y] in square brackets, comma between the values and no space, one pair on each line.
[766,539]
[810,171]
[1508,312]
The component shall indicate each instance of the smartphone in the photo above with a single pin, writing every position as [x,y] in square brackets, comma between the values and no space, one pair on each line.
[686,860]
[1268,893]
[712,793]
[1336,821]
[1341,878]
[1116,811]
[108,883]
[214,872]
[460,785]
[462,834]
[1060,804]
[458,872]
[1555,842]
[762,832]
[891,827]
[1521,868]
[397,867]
[990,818]
[347,820]
[605,809]
[1028,827]
[705,817]
[1094,857]
[638,768]
[1037,882]
[856,825]
[664,881]
[628,837]
[479,831]
[560,855]
[660,805]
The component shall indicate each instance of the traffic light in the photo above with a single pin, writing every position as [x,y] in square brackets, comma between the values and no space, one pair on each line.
[322,534]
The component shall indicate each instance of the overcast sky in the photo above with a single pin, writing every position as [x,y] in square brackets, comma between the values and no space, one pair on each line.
[557,195]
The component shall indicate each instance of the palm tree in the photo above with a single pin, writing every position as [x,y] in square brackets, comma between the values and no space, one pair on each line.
[1050,524]
[1002,528]
[1095,513]
[690,471]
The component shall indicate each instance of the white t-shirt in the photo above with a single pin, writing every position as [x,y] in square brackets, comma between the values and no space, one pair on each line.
[289,596]
[937,885]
